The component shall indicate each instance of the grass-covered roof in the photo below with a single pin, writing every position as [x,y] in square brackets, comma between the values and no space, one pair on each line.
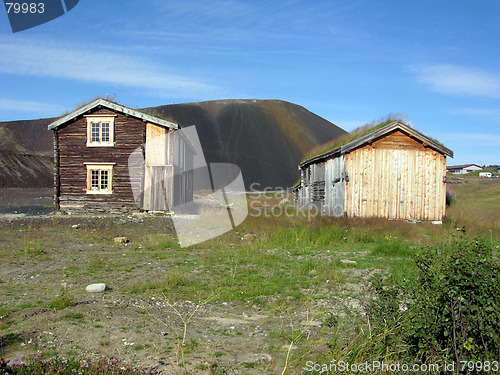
[366,133]
[352,136]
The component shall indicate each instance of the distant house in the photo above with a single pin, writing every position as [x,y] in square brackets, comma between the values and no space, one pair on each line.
[92,160]
[464,168]
[394,172]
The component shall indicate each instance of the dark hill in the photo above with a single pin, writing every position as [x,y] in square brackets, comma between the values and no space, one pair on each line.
[267,139]
[27,136]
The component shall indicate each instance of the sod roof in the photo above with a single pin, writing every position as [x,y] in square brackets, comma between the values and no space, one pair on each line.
[362,136]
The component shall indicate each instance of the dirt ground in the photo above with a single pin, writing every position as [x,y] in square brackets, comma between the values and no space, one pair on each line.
[47,262]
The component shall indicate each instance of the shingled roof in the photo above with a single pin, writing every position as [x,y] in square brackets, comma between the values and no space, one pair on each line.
[116,107]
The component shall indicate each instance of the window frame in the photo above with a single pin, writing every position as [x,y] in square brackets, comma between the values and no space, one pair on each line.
[100,119]
[100,167]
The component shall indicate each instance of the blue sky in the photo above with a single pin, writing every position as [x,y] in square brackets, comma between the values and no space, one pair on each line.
[351,62]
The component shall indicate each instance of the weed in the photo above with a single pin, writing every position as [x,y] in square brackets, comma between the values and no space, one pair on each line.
[34,364]
[5,321]
[75,317]
[70,316]
[63,300]
[8,340]
[181,339]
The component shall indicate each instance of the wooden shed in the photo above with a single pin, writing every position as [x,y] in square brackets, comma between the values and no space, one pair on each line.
[394,172]
[92,160]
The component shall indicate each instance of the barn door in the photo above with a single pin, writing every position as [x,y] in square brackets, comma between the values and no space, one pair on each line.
[160,191]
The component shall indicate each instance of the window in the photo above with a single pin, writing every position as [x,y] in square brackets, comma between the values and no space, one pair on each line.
[100,131]
[100,178]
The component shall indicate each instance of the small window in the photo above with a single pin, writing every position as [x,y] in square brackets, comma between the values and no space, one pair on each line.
[100,131]
[99,178]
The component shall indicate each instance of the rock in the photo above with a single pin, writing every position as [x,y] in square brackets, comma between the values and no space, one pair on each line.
[346,262]
[285,202]
[256,358]
[96,288]
[249,237]
[120,240]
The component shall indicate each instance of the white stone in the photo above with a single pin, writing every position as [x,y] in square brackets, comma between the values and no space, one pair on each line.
[347,262]
[96,288]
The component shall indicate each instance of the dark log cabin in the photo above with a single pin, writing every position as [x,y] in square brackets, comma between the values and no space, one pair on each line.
[107,156]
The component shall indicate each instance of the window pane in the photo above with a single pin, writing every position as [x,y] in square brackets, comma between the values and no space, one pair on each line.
[104,180]
[94,135]
[105,132]
[94,180]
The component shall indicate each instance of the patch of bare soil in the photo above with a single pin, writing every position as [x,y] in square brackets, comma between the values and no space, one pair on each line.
[48,261]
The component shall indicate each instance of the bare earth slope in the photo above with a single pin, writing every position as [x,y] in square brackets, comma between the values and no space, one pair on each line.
[266,138]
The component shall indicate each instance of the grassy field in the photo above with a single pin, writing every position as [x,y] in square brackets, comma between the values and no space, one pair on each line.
[268,297]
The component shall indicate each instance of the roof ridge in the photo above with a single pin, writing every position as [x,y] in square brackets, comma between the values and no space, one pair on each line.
[117,107]
[342,149]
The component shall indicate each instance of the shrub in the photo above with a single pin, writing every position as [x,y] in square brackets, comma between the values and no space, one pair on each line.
[450,311]
[450,197]
[455,310]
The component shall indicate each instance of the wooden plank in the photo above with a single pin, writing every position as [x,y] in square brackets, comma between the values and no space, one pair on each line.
[156,145]
[398,141]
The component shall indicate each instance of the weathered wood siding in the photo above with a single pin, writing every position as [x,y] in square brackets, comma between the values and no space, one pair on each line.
[334,186]
[73,153]
[395,177]
[159,171]
[182,155]
[318,185]
[158,195]
[305,192]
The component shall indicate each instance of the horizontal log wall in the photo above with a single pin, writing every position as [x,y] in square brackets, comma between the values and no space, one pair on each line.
[396,177]
[73,153]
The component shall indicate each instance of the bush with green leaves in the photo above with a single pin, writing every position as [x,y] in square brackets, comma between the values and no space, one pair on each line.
[450,310]
[455,309]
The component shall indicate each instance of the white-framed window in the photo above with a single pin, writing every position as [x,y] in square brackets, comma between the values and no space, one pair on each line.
[99,178]
[100,131]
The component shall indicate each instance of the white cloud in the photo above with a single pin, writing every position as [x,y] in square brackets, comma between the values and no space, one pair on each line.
[95,64]
[472,138]
[478,112]
[30,106]
[452,79]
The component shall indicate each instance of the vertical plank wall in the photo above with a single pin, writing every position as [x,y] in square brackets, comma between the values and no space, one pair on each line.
[396,177]
[158,177]
[334,186]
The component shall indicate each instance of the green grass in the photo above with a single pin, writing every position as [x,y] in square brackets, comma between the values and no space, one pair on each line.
[292,262]
[352,136]
[389,246]
[75,317]
[62,301]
